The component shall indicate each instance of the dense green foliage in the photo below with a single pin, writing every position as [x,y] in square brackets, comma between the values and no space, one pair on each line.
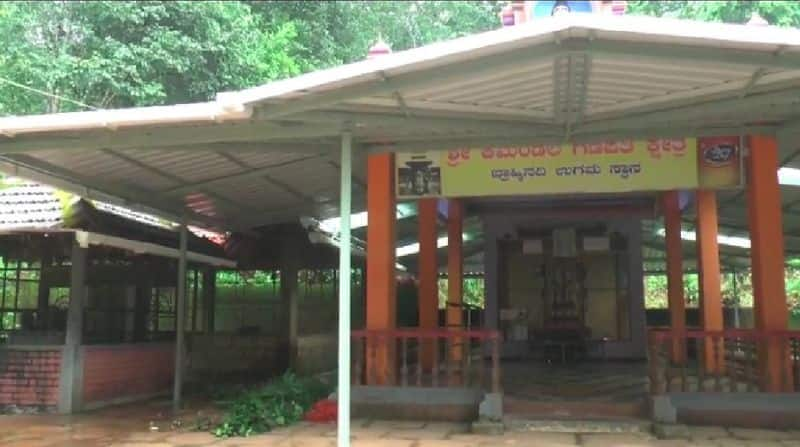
[117,54]
[781,13]
[473,292]
[109,54]
[279,403]
[333,33]
[735,292]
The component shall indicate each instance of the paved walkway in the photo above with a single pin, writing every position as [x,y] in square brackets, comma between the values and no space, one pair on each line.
[151,425]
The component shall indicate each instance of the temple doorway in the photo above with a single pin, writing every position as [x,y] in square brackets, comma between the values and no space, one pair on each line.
[570,319]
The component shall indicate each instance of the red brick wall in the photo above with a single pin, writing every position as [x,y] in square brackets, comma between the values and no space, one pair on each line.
[29,377]
[126,371]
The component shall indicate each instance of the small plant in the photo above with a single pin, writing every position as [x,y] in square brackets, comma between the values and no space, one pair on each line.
[281,402]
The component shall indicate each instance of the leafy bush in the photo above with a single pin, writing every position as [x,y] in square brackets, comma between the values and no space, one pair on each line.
[281,402]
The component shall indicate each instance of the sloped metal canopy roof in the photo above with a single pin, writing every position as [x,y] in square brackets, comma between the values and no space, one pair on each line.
[269,154]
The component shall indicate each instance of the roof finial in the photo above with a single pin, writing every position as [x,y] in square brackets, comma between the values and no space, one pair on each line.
[380,48]
[757,20]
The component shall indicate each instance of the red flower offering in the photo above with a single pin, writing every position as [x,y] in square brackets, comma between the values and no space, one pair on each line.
[322,412]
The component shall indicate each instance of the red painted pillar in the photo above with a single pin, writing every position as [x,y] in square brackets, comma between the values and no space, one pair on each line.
[381,278]
[428,274]
[767,258]
[709,278]
[675,294]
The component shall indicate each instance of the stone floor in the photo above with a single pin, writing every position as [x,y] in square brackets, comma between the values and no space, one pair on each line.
[583,382]
[152,425]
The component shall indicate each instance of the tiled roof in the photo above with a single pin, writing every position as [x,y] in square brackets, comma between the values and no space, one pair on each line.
[29,205]
[33,205]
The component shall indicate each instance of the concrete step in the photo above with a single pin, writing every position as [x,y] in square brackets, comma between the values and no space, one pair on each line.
[516,424]
[584,409]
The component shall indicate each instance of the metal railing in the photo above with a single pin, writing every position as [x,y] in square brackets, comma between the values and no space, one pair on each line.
[728,361]
[427,358]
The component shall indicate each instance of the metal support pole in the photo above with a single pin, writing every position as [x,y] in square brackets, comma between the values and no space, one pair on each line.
[736,317]
[209,297]
[289,297]
[343,394]
[180,321]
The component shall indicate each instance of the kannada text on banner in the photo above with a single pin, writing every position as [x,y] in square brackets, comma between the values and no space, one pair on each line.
[624,166]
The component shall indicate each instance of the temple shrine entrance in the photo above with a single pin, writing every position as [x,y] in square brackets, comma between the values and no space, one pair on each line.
[570,306]
[565,291]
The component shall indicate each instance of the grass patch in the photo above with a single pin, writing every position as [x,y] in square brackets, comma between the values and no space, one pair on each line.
[279,403]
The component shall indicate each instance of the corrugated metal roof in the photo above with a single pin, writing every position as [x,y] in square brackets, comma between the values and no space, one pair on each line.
[270,153]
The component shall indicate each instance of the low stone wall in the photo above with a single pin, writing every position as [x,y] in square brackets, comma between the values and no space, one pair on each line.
[415,403]
[220,354]
[29,376]
[121,373]
[232,354]
[745,410]
[316,353]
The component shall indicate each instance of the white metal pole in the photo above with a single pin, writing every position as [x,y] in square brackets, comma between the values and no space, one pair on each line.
[343,390]
[180,320]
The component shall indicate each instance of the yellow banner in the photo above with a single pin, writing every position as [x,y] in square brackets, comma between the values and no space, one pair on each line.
[623,166]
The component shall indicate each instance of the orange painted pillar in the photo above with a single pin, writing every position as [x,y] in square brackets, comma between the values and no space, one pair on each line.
[767,258]
[428,275]
[455,273]
[381,278]
[675,295]
[455,263]
[709,278]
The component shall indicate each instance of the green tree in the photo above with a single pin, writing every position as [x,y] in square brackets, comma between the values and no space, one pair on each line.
[473,292]
[112,54]
[333,33]
[780,13]
[119,54]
